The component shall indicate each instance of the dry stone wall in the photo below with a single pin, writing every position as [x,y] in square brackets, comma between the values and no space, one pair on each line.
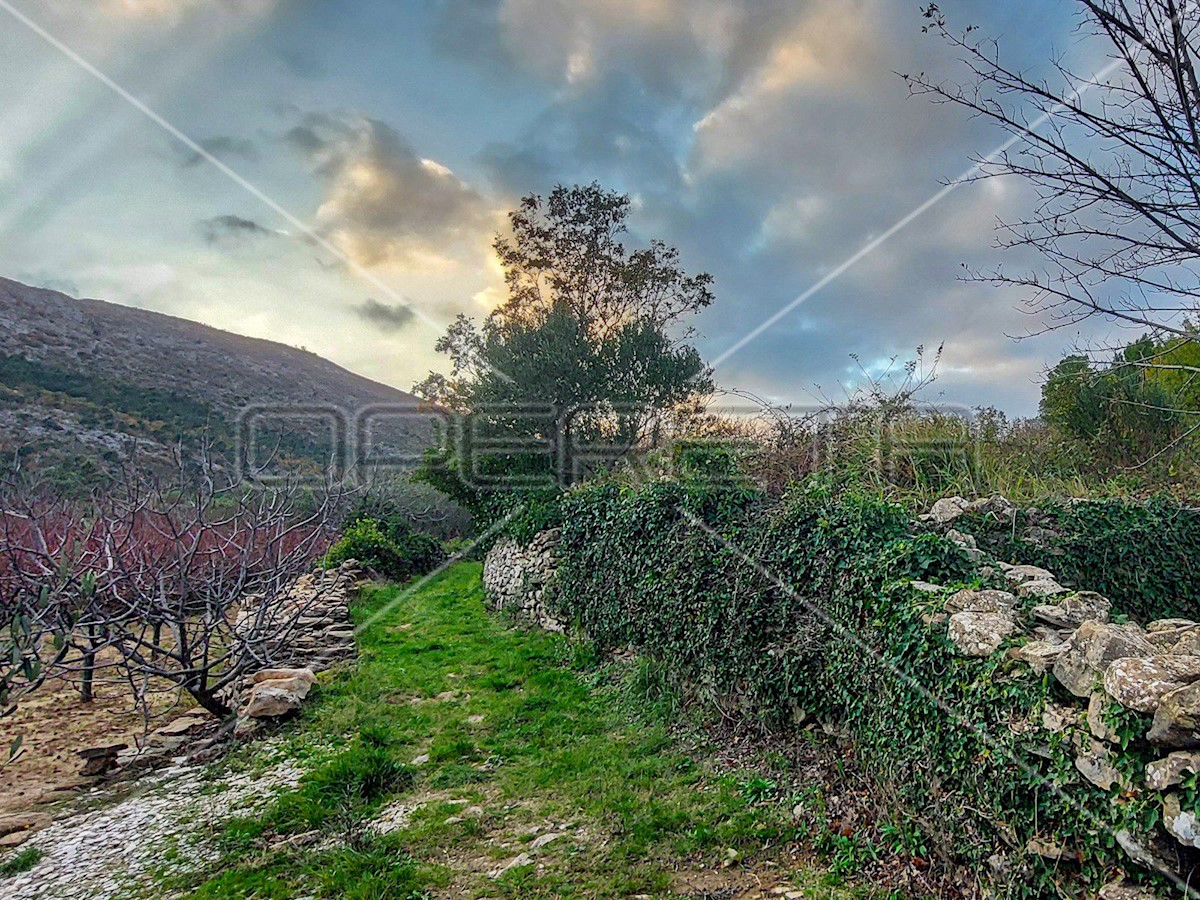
[1150,672]
[520,577]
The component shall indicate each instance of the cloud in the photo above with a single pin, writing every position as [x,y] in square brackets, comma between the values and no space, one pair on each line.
[387,317]
[174,10]
[385,204]
[232,227]
[223,147]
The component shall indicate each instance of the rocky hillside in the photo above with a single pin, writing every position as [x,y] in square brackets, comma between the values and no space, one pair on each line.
[81,380]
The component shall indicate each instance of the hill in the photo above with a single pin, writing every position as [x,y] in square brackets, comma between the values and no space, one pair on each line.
[82,381]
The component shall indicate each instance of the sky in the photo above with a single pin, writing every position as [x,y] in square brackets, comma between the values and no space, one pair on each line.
[331,174]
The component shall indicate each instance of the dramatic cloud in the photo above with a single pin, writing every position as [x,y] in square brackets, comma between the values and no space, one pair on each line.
[384,203]
[231,227]
[387,317]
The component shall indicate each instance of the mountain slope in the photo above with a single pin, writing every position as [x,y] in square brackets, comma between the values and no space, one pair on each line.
[81,379]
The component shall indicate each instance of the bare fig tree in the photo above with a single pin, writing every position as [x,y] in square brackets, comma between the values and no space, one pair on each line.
[162,584]
[1114,155]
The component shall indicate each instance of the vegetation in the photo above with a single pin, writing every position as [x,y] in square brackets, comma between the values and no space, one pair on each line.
[491,737]
[20,861]
[389,548]
[803,606]
[579,364]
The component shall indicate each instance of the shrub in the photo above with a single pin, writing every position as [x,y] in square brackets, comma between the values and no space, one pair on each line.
[393,551]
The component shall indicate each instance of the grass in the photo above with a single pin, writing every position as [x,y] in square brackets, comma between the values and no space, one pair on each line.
[491,737]
[21,861]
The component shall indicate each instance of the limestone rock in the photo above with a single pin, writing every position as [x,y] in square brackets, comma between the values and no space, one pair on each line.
[1140,683]
[1169,625]
[1092,649]
[980,633]
[283,675]
[1146,850]
[948,509]
[1095,763]
[1021,574]
[1177,719]
[968,600]
[1170,771]
[1041,587]
[1038,655]
[1072,611]
[1180,823]
[268,701]
[1095,718]
[1119,890]
[1058,718]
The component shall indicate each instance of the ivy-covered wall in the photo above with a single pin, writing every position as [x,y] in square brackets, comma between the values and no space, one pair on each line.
[1144,556]
[820,606]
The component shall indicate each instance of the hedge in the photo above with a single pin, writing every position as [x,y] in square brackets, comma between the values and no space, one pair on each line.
[806,606]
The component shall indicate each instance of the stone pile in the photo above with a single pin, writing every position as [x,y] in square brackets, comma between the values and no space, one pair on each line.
[520,577]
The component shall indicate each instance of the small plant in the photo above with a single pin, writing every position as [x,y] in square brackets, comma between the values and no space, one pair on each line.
[21,861]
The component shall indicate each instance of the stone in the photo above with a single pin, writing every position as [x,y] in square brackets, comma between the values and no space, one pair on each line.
[99,760]
[1072,611]
[184,724]
[1092,649]
[1177,719]
[266,701]
[1180,823]
[1119,890]
[980,601]
[962,539]
[1140,683]
[925,587]
[1038,655]
[1058,718]
[1146,850]
[1094,763]
[540,842]
[1042,587]
[1095,718]
[1020,574]
[25,822]
[1169,625]
[1188,643]
[998,506]
[948,509]
[1171,770]
[979,633]
[515,863]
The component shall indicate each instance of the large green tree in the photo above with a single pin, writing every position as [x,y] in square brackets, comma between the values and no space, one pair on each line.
[584,358]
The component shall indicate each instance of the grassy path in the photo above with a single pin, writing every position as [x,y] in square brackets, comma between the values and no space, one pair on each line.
[504,764]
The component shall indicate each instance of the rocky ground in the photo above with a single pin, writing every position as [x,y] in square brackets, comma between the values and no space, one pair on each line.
[114,846]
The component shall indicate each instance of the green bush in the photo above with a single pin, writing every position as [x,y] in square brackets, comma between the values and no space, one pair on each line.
[392,550]
[806,604]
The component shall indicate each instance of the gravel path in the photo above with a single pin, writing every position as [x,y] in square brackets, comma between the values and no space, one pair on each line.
[113,850]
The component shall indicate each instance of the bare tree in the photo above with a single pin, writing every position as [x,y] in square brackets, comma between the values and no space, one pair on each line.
[174,584]
[1114,157]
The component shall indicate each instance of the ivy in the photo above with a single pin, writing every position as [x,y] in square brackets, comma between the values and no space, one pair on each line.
[806,603]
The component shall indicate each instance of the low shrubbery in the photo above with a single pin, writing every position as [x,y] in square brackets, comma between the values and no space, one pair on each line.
[388,548]
[803,608]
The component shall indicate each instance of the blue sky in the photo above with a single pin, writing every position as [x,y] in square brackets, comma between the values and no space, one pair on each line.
[769,140]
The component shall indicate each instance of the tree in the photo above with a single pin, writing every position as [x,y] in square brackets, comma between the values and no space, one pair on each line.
[580,356]
[181,584]
[1114,157]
